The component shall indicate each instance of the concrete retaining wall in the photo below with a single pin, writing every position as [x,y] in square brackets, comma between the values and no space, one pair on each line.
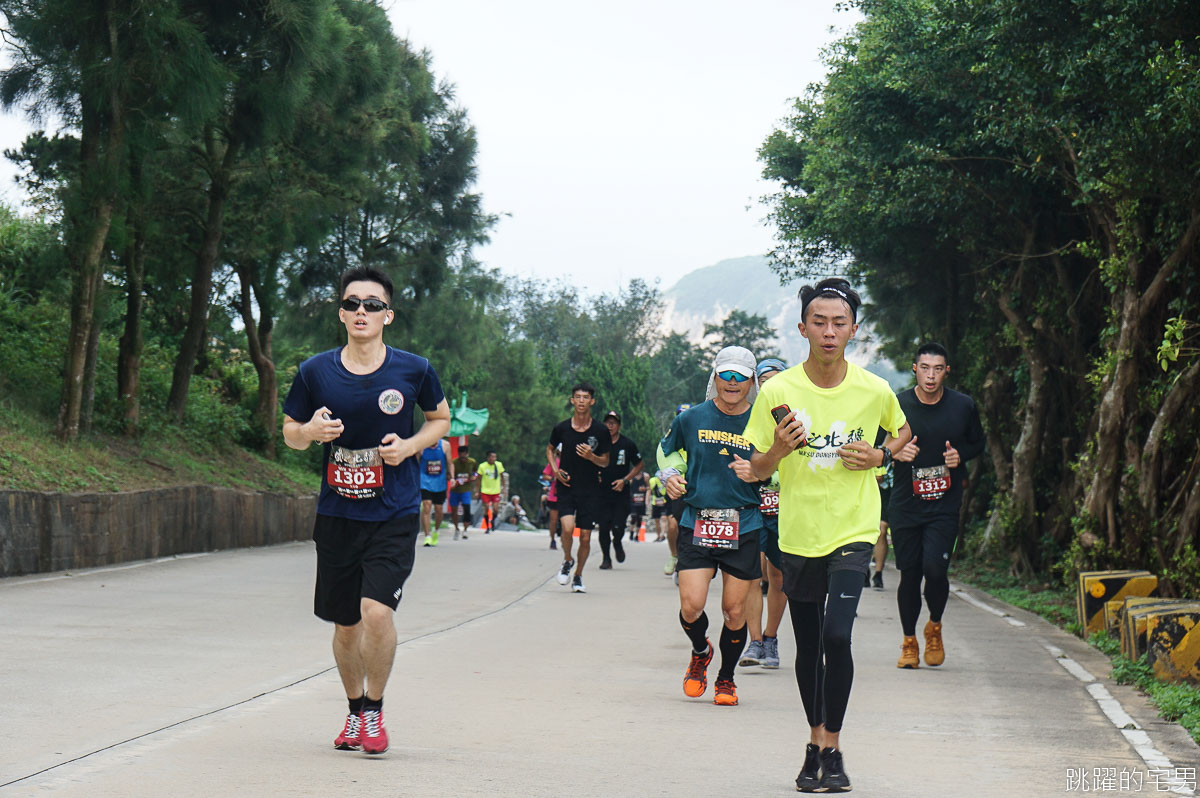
[42,532]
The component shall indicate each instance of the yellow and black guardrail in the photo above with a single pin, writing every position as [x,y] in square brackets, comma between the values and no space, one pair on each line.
[1097,588]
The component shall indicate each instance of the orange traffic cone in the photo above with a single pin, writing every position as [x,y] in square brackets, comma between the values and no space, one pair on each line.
[642,533]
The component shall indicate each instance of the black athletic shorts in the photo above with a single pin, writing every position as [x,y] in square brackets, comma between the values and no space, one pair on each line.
[770,540]
[807,578]
[584,505]
[658,511]
[438,497]
[614,510]
[361,559]
[740,563]
[933,539]
[675,508]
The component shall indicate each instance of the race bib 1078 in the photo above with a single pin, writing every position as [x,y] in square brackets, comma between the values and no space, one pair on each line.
[717,529]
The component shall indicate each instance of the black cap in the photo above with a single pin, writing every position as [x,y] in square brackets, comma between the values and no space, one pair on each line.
[612,414]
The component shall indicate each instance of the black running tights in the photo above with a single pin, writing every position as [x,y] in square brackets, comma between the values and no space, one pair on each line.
[908,595]
[610,532]
[824,666]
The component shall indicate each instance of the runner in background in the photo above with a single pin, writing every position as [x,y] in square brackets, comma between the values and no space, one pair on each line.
[763,649]
[637,508]
[493,481]
[578,451]
[436,470]
[624,463]
[927,496]
[674,507]
[551,503]
[460,492]
[881,546]
[656,499]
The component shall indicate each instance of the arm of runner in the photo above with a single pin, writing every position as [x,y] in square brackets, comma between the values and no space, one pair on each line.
[299,435]
[552,461]
[394,450]
[786,436]
[744,469]
[861,455]
[449,464]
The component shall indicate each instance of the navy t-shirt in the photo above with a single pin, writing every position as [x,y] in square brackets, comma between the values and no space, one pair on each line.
[711,439]
[355,482]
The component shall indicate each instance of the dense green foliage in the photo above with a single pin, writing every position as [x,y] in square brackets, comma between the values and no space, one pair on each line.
[1017,179]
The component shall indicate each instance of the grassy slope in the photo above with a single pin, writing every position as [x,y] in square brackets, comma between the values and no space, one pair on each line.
[31,458]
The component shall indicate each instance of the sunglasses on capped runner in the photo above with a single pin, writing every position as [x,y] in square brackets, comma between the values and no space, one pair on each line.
[732,376]
[352,303]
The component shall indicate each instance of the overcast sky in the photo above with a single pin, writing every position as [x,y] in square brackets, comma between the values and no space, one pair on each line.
[618,140]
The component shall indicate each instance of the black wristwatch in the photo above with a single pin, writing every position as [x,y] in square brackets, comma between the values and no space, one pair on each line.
[887,457]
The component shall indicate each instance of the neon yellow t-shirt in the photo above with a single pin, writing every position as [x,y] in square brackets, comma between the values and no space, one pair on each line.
[823,504]
[489,477]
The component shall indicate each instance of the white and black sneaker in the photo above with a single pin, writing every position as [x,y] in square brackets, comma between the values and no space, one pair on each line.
[577,585]
[564,574]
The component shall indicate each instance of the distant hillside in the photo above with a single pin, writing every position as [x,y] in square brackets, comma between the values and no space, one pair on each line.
[706,295]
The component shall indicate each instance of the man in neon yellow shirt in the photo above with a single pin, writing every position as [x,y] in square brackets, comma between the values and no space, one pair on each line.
[492,479]
[822,444]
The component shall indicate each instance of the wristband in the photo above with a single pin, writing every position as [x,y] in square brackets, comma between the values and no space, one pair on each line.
[670,472]
[887,456]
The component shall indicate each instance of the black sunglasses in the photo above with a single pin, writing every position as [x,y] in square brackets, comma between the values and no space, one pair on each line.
[352,303]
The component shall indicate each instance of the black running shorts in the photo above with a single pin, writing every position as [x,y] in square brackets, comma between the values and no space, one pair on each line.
[583,505]
[675,508]
[437,497]
[807,578]
[770,541]
[740,563]
[931,540]
[361,559]
[658,511]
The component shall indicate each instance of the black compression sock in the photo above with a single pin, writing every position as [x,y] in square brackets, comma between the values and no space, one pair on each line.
[697,632]
[356,704]
[732,643]
[369,705]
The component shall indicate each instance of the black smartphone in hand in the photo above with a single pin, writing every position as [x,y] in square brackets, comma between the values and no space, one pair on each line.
[779,413]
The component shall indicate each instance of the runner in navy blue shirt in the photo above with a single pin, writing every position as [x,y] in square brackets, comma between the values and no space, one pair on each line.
[358,402]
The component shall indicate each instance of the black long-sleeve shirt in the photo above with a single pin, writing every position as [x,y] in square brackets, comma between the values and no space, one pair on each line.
[955,419]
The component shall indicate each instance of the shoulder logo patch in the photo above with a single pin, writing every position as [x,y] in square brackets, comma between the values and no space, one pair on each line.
[391,401]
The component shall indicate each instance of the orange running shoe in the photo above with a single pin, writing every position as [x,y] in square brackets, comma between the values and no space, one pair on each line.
[910,654]
[695,681]
[935,652]
[725,693]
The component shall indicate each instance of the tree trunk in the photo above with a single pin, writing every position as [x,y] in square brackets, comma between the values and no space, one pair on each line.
[129,354]
[85,250]
[89,366]
[1027,451]
[1116,409]
[258,339]
[206,262]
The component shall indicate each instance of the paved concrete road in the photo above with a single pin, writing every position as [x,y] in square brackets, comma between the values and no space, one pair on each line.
[208,676]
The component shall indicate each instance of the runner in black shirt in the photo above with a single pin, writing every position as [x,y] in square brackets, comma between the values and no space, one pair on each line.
[624,465]
[929,475]
[585,444]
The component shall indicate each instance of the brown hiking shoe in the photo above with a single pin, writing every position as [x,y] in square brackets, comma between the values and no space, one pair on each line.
[935,653]
[910,655]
